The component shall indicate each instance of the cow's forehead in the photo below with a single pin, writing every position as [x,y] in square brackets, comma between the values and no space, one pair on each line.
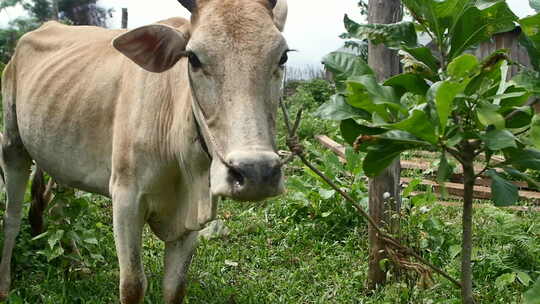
[236,23]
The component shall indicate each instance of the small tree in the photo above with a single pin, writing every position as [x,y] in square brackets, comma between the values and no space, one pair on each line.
[446,100]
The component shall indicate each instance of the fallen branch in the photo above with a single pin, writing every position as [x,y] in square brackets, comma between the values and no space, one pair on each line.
[393,246]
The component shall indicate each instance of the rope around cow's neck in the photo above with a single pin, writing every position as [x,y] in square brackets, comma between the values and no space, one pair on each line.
[200,120]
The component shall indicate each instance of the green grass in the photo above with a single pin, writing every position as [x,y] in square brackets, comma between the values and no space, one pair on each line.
[286,258]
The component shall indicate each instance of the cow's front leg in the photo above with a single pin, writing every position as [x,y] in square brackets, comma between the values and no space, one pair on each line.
[128,222]
[177,259]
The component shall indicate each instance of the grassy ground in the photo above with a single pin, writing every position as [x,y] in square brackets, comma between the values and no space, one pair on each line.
[305,247]
[280,252]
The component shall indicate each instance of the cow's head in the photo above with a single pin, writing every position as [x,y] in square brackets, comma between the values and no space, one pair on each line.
[236,54]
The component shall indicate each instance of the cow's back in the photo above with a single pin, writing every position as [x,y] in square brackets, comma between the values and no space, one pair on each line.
[68,81]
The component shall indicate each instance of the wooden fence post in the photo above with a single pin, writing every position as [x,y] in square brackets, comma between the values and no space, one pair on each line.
[55,11]
[124,18]
[384,190]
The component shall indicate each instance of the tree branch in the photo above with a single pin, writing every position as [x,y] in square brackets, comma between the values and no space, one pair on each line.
[293,144]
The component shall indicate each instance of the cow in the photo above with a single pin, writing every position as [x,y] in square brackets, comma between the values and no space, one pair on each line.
[164,119]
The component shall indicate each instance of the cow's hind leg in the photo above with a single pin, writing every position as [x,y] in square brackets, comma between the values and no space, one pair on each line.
[128,222]
[16,166]
[177,259]
[41,195]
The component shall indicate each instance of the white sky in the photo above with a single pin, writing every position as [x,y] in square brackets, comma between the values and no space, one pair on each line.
[313,26]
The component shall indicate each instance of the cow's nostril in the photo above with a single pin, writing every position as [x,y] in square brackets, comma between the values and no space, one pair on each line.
[236,177]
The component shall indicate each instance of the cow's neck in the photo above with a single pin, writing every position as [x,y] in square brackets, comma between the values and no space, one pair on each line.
[185,142]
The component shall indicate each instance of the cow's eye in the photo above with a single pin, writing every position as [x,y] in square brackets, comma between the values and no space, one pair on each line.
[194,60]
[284,58]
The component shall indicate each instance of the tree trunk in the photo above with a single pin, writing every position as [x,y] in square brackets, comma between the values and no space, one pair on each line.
[384,192]
[55,11]
[466,249]
[124,18]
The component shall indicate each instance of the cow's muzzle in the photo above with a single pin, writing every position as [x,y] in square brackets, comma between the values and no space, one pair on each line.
[248,176]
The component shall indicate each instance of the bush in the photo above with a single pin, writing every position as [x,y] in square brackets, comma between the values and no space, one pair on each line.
[310,94]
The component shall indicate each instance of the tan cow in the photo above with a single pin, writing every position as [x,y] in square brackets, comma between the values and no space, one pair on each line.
[164,120]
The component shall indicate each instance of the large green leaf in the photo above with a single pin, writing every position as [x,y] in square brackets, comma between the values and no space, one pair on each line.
[394,137]
[530,38]
[532,296]
[463,66]
[479,23]
[381,155]
[513,97]
[409,100]
[504,280]
[403,137]
[412,65]
[437,16]
[350,130]
[531,181]
[443,94]
[418,124]
[424,55]
[488,116]
[499,139]
[407,82]
[489,76]
[445,170]
[344,65]
[366,93]
[530,80]
[380,94]
[523,158]
[392,35]
[359,97]
[337,109]
[503,192]
[521,117]
[383,149]
[375,162]
[533,50]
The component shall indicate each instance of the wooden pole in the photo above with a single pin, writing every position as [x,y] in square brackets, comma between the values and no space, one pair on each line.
[384,190]
[55,11]
[124,18]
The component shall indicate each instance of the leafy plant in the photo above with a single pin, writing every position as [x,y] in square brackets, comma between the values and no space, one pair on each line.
[315,201]
[308,95]
[68,238]
[445,100]
[312,93]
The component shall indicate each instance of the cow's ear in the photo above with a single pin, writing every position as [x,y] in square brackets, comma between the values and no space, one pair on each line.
[155,48]
[280,13]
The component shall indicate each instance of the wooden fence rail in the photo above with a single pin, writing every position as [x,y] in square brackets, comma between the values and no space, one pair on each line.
[481,190]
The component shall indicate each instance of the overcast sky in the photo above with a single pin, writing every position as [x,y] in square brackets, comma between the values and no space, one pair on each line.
[312,28]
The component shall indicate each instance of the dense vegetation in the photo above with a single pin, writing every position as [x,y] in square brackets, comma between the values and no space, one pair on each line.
[446,100]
